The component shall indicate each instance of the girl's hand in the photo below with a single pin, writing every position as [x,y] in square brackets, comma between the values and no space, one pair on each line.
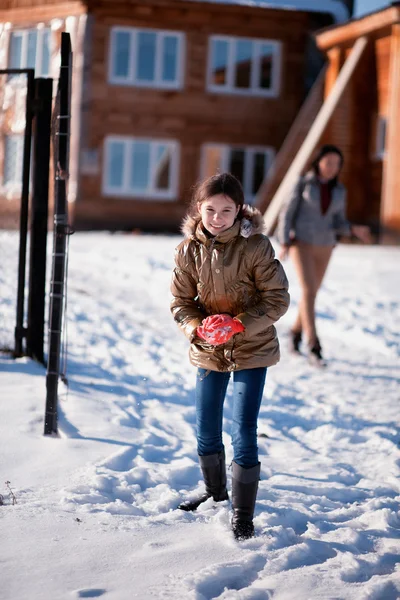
[218,329]
[362,232]
[284,252]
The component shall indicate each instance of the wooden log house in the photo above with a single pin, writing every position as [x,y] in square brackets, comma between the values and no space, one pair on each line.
[164,93]
[364,123]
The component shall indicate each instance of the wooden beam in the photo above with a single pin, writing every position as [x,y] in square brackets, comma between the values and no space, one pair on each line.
[314,135]
[42,12]
[390,199]
[346,34]
[335,58]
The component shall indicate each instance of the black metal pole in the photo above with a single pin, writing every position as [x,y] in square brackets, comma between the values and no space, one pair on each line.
[59,237]
[23,227]
[39,215]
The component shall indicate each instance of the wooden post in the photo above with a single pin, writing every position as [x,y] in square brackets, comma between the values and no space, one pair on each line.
[335,57]
[390,202]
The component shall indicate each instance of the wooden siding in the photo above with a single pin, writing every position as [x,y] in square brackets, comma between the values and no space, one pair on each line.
[382,60]
[375,192]
[390,209]
[362,105]
[192,116]
[378,94]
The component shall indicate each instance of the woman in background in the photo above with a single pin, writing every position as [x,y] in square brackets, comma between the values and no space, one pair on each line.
[311,220]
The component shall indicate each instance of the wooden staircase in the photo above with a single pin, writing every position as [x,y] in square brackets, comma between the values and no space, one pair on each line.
[292,143]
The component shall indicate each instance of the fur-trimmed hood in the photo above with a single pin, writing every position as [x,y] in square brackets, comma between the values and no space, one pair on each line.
[251,223]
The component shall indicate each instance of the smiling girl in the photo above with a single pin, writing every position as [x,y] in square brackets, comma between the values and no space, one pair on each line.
[228,291]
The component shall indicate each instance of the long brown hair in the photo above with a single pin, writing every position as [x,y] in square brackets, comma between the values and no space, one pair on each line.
[223,183]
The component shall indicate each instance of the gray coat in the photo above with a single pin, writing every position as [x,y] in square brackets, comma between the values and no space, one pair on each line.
[301,217]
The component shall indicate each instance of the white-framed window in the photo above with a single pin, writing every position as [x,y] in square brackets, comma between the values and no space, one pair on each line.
[380,139]
[244,66]
[30,49]
[146,58]
[249,164]
[140,168]
[13,161]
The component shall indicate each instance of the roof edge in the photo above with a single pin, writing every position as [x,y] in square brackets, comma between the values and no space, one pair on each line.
[335,8]
[339,34]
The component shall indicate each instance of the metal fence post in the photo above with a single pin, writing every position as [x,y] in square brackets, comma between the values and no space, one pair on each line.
[39,215]
[23,227]
[61,230]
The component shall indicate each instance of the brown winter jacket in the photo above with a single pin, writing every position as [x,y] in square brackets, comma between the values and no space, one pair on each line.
[235,273]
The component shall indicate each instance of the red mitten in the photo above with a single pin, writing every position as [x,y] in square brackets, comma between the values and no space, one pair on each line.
[237,326]
[218,329]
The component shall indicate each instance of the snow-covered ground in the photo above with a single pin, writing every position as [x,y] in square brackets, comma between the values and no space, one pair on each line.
[95,514]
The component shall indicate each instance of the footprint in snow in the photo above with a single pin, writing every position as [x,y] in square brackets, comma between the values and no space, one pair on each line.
[213,581]
[90,593]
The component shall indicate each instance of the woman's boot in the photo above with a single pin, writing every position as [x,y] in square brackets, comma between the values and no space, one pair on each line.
[315,354]
[294,342]
[214,474]
[244,493]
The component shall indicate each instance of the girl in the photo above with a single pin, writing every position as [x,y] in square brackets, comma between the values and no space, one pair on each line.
[308,225]
[228,290]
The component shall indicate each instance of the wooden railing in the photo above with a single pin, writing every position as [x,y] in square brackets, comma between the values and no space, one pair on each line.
[292,142]
[295,167]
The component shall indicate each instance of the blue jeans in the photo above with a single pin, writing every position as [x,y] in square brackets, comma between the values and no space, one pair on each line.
[248,386]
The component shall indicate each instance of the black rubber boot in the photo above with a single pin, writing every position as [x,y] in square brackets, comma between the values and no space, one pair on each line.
[214,474]
[315,355]
[294,342]
[244,494]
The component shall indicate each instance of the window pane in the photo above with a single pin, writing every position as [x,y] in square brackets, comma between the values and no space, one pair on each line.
[162,170]
[115,170]
[15,57]
[243,60]
[30,60]
[140,167]
[121,53]
[259,171]
[46,50]
[266,59]
[236,163]
[213,161]
[170,58]
[219,62]
[13,159]
[146,56]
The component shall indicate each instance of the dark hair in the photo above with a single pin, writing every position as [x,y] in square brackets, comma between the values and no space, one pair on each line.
[222,183]
[323,151]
